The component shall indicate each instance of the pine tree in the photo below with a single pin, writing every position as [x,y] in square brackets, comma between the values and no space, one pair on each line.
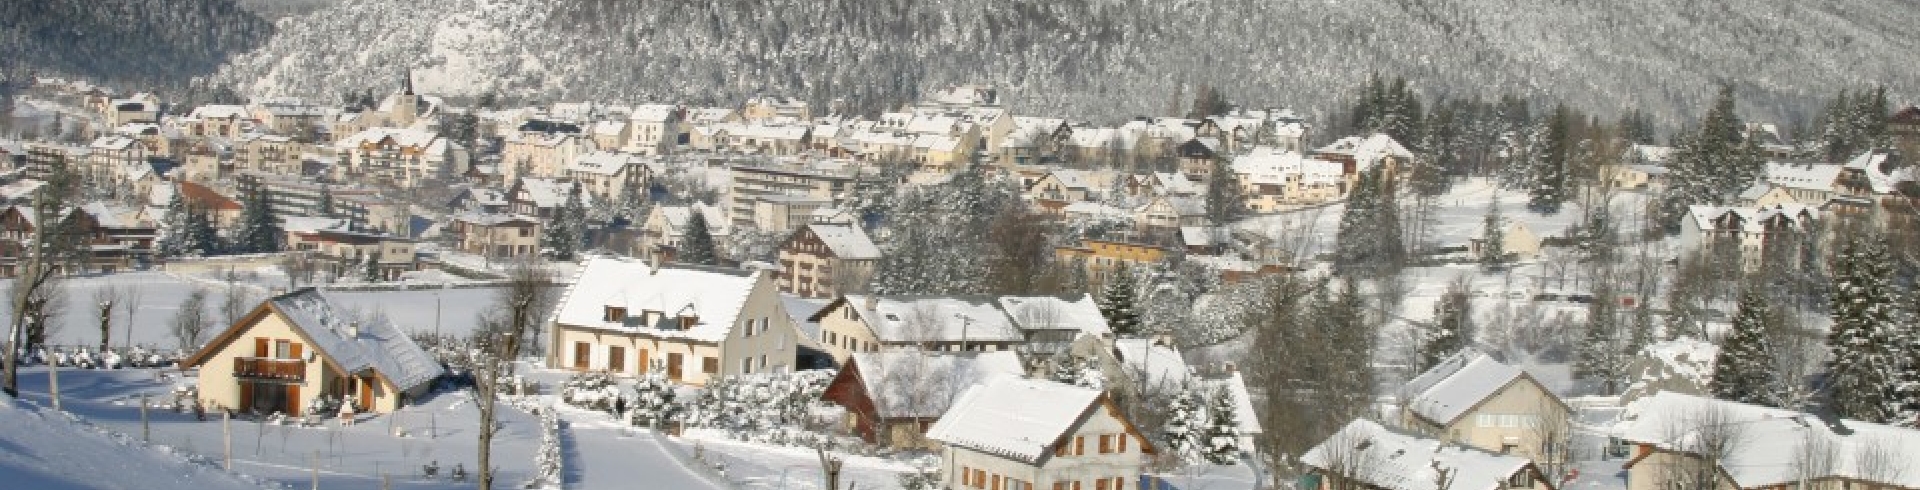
[326,207]
[1602,352]
[567,230]
[1451,324]
[260,230]
[1743,372]
[1493,237]
[201,237]
[1225,202]
[1863,362]
[1118,303]
[1709,165]
[1904,402]
[1223,430]
[1369,237]
[174,229]
[696,244]
[1183,429]
[1550,187]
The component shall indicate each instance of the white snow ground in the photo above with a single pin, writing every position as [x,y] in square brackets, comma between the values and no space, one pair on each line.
[45,450]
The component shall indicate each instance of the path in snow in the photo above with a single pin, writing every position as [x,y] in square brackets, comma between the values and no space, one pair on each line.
[603,455]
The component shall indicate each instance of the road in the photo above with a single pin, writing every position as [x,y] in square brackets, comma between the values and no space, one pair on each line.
[603,455]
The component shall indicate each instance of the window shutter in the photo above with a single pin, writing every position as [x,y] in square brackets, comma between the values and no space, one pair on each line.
[295,349]
[259,347]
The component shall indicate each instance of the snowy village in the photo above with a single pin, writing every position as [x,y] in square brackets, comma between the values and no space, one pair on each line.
[398,288]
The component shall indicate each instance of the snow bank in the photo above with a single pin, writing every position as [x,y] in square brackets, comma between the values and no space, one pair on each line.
[46,450]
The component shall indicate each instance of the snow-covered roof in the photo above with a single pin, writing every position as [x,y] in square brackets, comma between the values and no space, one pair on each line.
[357,345]
[935,318]
[551,193]
[1001,417]
[1650,154]
[713,296]
[603,162]
[306,224]
[1056,313]
[1770,440]
[678,216]
[1456,385]
[653,113]
[218,111]
[1382,458]
[923,384]
[1883,169]
[111,142]
[801,311]
[1367,150]
[110,215]
[846,241]
[1751,219]
[1094,209]
[429,141]
[1159,363]
[1811,176]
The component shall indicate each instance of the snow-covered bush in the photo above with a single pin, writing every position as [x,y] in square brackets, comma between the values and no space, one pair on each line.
[773,408]
[590,390]
[652,402]
[1078,371]
[548,465]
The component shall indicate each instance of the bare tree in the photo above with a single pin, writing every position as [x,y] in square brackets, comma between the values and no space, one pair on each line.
[52,247]
[129,303]
[1814,457]
[236,299]
[191,321]
[1880,460]
[1552,431]
[1701,439]
[299,267]
[508,326]
[104,299]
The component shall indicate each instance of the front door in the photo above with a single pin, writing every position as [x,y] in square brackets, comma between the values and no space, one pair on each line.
[366,393]
[673,366]
[582,353]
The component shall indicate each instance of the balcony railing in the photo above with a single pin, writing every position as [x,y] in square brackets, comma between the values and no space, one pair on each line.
[260,367]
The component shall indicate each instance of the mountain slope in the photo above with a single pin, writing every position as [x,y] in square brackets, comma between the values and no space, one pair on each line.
[1099,58]
[124,41]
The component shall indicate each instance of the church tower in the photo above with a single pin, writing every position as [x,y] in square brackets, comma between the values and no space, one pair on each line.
[406,104]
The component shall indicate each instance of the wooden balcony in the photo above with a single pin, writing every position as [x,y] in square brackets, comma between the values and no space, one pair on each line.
[265,368]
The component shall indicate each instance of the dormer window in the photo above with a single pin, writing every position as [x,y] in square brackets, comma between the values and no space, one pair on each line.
[687,321]
[615,314]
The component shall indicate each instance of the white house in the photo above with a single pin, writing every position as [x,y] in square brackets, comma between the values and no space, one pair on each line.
[693,323]
[1365,454]
[1000,435]
[1688,441]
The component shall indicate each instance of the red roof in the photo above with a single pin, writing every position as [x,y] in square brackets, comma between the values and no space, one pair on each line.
[200,195]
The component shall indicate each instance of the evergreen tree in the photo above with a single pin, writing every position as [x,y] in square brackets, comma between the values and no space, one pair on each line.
[1710,165]
[1862,366]
[1118,303]
[1550,183]
[568,229]
[1223,430]
[372,269]
[1225,201]
[1636,127]
[697,245]
[201,237]
[1493,237]
[1368,241]
[260,230]
[1904,402]
[325,206]
[174,229]
[1602,352]
[1743,372]
[1183,430]
[1452,321]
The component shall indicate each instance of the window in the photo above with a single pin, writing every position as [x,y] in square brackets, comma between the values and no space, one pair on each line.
[979,478]
[1119,483]
[746,366]
[1102,484]
[1060,449]
[282,349]
[1523,479]
[1123,442]
[1059,485]
[1106,444]
[615,314]
[710,365]
[996,482]
[763,362]
[616,359]
[1079,445]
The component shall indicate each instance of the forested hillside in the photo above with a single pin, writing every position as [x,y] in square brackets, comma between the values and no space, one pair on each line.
[1101,58]
[140,43]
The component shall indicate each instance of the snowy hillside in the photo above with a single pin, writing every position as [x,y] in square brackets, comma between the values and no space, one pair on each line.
[45,451]
[1097,58]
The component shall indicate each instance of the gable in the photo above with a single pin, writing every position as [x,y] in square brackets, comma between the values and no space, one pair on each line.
[255,322]
[1523,394]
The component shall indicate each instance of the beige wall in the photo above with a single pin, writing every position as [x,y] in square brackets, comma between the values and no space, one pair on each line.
[1658,471]
[220,389]
[774,350]
[842,333]
[1085,467]
[1521,414]
[801,274]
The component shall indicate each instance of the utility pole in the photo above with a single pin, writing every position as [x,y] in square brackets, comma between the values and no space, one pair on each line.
[226,434]
[53,383]
[146,433]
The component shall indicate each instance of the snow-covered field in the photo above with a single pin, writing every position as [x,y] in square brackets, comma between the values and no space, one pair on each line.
[45,450]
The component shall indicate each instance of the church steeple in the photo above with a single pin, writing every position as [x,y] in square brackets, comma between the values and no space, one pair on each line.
[406,82]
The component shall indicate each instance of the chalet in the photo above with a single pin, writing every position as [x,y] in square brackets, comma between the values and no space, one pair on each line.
[404,158]
[224,210]
[347,252]
[1688,441]
[543,198]
[1367,455]
[1358,154]
[1067,186]
[666,226]
[865,323]
[996,436]
[1052,324]
[607,176]
[892,397]
[1169,212]
[1272,179]
[1471,399]
[1197,157]
[1904,127]
[693,324]
[826,260]
[110,236]
[300,347]
[654,128]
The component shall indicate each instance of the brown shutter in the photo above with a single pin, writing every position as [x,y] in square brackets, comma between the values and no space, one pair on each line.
[295,350]
[260,347]
[293,399]
[246,396]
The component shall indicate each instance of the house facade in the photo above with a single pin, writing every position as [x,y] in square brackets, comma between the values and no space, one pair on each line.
[1688,441]
[1078,439]
[891,398]
[868,323]
[827,260]
[626,317]
[495,236]
[297,347]
[1365,454]
[1471,399]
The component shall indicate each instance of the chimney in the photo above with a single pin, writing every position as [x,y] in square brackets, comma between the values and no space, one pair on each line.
[872,302]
